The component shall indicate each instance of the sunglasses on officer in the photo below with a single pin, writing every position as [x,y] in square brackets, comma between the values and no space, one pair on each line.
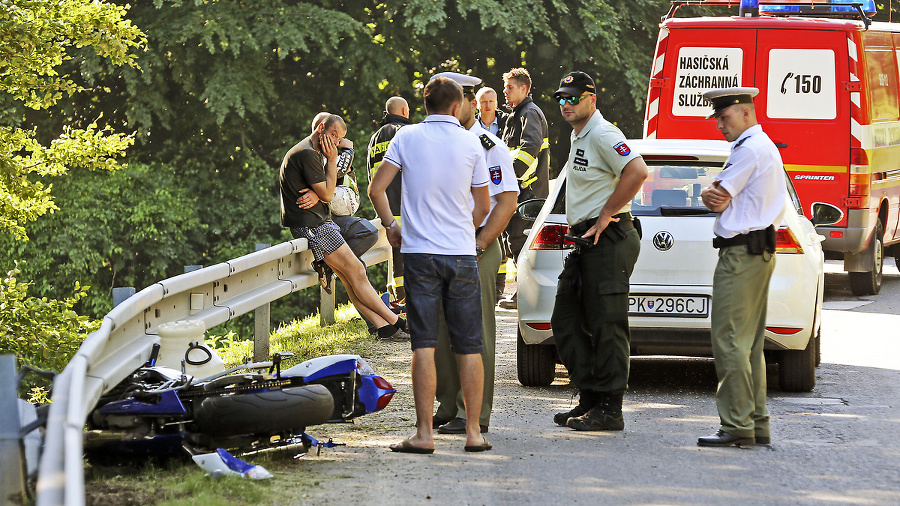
[572,100]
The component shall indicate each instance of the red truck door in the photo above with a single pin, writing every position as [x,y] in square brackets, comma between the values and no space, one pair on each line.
[804,106]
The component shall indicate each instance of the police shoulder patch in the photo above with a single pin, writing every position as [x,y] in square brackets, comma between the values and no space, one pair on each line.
[496,174]
[622,149]
[486,141]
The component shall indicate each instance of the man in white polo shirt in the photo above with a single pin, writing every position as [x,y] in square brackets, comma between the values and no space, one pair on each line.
[443,170]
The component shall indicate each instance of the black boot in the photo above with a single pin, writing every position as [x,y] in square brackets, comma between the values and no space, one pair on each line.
[606,415]
[586,400]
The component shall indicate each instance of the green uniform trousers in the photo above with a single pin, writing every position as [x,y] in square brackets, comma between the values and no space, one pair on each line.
[740,296]
[591,330]
[449,391]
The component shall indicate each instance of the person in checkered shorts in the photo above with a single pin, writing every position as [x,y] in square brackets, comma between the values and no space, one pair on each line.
[303,168]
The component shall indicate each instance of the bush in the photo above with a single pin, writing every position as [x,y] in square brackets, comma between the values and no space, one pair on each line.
[42,333]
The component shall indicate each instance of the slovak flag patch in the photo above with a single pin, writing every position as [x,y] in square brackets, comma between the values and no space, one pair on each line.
[622,149]
[496,175]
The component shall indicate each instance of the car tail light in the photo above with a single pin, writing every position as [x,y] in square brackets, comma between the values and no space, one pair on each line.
[860,178]
[552,237]
[783,330]
[785,242]
[539,326]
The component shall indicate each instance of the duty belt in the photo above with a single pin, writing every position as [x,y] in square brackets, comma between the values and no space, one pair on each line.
[757,241]
[625,224]
[727,242]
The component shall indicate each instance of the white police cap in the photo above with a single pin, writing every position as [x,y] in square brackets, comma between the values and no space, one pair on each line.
[726,97]
[467,82]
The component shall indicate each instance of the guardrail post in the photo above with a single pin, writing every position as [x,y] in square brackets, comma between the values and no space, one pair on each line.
[121,294]
[12,461]
[326,304]
[261,321]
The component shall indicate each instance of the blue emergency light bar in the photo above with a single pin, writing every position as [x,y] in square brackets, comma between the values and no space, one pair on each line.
[826,7]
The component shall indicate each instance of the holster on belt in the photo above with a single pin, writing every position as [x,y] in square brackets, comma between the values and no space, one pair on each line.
[757,241]
[615,231]
[570,277]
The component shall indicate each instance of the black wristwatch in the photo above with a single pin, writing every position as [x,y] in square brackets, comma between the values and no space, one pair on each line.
[479,251]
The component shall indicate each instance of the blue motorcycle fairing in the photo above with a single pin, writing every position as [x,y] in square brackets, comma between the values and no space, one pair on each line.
[322,367]
[169,404]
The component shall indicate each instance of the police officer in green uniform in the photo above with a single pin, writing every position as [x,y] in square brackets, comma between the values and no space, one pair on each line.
[503,189]
[750,196]
[590,316]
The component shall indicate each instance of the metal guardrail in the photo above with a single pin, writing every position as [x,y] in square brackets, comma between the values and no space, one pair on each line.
[213,294]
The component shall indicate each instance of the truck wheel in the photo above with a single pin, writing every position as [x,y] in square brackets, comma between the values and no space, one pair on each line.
[268,412]
[536,363]
[869,283]
[797,368]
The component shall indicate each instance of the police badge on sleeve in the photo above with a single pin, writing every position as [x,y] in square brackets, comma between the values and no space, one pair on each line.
[496,175]
[622,149]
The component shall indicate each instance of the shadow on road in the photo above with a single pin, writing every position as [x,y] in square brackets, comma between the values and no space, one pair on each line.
[672,375]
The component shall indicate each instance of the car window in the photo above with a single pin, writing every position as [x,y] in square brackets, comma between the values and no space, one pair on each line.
[795,199]
[671,188]
[559,207]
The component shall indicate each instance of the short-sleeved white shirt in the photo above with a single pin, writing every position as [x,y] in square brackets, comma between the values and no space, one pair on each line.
[499,164]
[596,160]
[754,176]
[441,162]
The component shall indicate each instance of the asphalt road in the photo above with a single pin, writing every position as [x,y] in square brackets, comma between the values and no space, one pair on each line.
[835,445]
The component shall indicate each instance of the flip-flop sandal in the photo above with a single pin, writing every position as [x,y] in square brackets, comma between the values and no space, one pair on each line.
[483,447]
[406,447]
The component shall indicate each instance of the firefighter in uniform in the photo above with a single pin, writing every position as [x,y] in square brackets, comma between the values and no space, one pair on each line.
[503,190]
[395,117]
[750,196]
[527,136]
[590,316]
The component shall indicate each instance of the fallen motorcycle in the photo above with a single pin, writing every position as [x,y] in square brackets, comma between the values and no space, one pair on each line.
[159,411]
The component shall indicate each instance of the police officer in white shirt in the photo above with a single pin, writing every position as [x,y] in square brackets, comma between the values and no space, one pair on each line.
[750,196]
[504,191]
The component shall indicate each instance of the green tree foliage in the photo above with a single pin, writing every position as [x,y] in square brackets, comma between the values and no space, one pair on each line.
[43,333]
[36,38]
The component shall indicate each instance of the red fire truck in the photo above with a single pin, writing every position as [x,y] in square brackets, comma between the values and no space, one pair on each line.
[828,80]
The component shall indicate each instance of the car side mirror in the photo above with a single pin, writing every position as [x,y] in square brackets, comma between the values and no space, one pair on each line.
[825,214]
[530,209]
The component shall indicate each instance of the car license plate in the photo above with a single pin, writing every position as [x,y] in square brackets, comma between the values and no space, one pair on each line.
[684,306]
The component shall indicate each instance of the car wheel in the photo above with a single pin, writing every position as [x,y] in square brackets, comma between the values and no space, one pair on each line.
[869,283]
[797,368]
[536,363]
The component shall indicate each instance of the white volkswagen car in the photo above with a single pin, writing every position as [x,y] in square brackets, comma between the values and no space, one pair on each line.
[671,287]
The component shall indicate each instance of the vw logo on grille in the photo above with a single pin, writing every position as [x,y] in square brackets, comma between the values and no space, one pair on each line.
[663,240]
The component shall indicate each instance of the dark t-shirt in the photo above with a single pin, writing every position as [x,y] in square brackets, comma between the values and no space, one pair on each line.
[302,167]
